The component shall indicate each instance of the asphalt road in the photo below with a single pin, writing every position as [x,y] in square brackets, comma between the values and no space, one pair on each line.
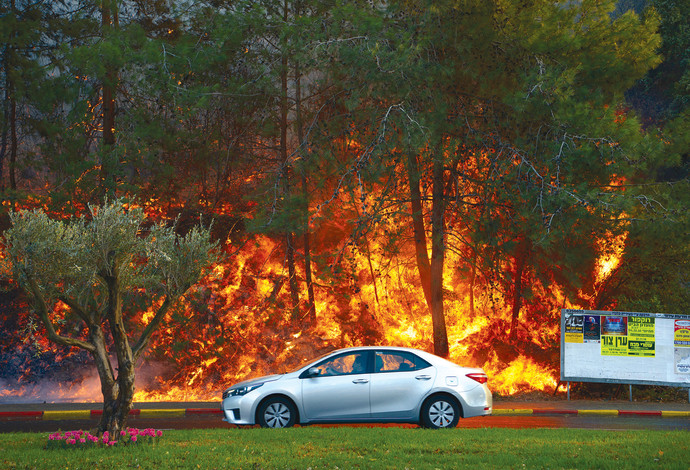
[514,422]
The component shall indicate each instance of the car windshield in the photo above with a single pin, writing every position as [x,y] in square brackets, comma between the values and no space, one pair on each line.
[308,363]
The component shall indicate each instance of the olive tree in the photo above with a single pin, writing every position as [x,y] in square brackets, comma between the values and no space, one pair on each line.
[102,270]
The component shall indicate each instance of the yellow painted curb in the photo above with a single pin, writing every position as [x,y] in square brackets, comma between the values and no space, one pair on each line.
[506,411]
[598,412]
[67,414]
[173,413]
[676,414]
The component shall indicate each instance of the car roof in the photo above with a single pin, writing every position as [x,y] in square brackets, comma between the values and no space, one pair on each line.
[433,358]
[420,352]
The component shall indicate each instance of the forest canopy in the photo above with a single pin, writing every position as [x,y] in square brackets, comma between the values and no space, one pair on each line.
[444,174]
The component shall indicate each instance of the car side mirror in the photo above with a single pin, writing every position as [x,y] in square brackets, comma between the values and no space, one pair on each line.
[314,372]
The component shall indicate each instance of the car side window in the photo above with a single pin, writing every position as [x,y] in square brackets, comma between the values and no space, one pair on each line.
[355,363]
[398,361]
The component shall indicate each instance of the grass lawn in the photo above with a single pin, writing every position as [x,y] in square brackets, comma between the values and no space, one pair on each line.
[366,447]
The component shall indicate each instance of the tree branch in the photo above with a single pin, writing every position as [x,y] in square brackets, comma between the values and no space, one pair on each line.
[150,328]
[42,311]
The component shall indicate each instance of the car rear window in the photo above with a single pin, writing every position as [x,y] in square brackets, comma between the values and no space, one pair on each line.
[398,361]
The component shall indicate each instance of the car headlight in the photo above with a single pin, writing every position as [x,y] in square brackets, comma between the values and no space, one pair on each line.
[239,391]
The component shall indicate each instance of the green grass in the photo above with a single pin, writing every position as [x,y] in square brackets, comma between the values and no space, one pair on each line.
[366,448]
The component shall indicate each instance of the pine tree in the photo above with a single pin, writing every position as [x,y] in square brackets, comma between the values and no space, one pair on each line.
[504,117]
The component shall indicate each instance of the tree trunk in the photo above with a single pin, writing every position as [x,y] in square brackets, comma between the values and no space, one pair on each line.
[430,273]
[116,408]
[9,106]
[311,308]
[422,255]
[109,21]
[437,260]
[473,281]
[521,253]
[289,245]
[10,90]
[13,143]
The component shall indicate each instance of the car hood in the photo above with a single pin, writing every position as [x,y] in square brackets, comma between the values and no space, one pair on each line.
[266,378]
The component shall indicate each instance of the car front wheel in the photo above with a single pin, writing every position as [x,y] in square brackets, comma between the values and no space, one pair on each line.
[440,412]
[277,412]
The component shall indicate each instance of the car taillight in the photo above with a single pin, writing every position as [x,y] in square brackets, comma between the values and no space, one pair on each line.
[481,378]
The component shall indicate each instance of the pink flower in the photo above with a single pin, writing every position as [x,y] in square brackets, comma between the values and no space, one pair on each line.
[122,433]
[82,440]
[159,433]
[133,439]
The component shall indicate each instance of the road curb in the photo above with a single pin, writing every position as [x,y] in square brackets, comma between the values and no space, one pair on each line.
[645,413]
[196,412]
[48,415]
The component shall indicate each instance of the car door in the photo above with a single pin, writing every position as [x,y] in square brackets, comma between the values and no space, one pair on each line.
[399,383]
[340,391]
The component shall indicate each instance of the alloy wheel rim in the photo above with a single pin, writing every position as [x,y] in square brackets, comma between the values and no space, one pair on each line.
[441,413]
[277,415]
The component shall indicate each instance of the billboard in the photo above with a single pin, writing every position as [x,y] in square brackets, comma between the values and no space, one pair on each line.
[625,347]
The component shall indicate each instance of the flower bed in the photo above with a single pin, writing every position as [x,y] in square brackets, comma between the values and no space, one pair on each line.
[82,439]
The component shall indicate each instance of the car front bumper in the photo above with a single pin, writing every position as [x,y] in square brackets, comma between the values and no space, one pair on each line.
[238,410]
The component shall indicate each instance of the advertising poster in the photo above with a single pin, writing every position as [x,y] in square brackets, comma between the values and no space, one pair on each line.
[614,326]
[614,336]
[573,328]
[592,333]
[681,343]
[682,360]
[614,345]
[681,333]
[641,337]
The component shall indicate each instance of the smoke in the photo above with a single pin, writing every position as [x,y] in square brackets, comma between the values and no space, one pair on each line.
[86,389]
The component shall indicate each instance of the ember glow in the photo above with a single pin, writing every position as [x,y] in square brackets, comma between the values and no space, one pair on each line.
[239,324]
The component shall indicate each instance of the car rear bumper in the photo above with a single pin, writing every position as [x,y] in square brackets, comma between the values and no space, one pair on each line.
[478,402]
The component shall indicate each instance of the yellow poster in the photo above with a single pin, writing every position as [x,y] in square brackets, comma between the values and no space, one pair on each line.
[641,348]
[614,345]
[574,337]
[573,329]
[641,339]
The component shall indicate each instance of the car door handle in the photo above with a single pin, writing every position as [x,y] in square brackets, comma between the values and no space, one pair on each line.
[360,381]
[423,377]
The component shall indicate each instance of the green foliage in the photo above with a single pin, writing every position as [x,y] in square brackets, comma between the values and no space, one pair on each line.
[70,259]
[664,93]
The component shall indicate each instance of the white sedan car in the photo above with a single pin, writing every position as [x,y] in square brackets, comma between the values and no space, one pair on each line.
[363,384]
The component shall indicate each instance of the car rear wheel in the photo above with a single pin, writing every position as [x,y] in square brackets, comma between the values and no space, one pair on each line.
[277,412]
[440,412]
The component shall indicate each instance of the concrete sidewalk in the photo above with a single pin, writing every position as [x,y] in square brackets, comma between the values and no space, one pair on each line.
[55,411]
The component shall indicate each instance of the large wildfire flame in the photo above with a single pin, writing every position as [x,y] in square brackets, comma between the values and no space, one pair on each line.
[239,324]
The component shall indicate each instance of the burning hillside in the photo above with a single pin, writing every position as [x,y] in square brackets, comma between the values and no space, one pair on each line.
[239,323]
